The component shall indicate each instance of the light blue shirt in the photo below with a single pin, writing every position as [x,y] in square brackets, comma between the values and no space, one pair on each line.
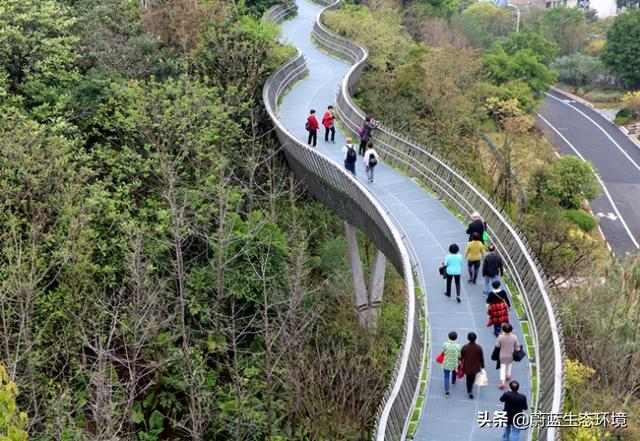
[453,262]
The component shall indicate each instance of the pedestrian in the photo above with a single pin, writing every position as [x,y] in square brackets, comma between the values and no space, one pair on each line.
[364,132]
[492,269]
[328,121]
[350,156]
[498,306]
[452,269]
[451,359]
[514,403]
[312,127]
[472,360]
[508,344]
[473,253]
[477,225]
[370,160]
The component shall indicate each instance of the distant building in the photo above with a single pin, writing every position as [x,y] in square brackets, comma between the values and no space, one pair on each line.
[604,8]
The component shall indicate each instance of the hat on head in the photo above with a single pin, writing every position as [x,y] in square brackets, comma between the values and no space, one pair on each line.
[475,215]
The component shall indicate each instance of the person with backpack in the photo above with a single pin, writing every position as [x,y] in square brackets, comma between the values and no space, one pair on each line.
[477,225]
[451,351]
[473,253]
[492,269]
[498,306]
[371,158]
[312,127]
[364,132]
[328,121]
[472,361]
[452,269]
[350,156]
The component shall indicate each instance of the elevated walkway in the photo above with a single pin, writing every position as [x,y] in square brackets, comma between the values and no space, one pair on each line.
[429,228]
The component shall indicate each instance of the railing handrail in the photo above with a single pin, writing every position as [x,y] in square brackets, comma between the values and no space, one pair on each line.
[348,51]
[405,374]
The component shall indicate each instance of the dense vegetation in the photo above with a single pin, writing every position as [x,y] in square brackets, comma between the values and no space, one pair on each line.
[162,276]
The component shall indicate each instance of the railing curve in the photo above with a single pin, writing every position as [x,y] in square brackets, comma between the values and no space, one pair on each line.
[453,187]
[342,193]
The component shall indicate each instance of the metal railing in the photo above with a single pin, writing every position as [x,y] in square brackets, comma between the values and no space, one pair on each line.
[330,183]
[459,192]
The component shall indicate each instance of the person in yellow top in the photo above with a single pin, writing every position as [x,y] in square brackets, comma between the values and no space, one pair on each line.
[473,254]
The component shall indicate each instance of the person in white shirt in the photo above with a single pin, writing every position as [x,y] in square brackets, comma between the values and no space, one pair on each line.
[371,158]
[350,156]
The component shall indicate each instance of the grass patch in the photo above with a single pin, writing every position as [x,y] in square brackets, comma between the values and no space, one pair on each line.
[413,426]
[416,414]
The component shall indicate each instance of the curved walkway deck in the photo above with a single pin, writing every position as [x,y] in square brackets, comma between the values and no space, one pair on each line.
[429,228]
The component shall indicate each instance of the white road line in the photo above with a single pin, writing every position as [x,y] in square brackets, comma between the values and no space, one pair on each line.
[604,187]
[635,164]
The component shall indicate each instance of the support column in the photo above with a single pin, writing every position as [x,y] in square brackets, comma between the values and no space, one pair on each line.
[361,302]
[376,284]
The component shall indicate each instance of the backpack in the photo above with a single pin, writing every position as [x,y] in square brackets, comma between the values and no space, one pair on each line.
[351,154]
[372,161]
[361,131]
[307,126]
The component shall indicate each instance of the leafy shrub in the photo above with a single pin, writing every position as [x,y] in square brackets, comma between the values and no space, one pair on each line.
[571,180]
[603,96]
[583,220]
[577,69]
[631,101]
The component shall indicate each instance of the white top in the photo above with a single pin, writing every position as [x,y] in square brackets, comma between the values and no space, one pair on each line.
[367,154]
[345,150]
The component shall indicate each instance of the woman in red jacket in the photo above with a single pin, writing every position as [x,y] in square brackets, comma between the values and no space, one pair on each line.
[498,307]
[328,123]
[312,128]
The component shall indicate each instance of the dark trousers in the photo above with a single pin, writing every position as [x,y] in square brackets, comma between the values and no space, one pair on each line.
[351,166]
[496,329]
[471,379]
[473,265]
[313,136]
[331,129]
[363,145]
[457,280]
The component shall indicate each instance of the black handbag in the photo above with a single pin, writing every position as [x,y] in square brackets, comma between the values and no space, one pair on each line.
[519,354]
[495,355]
[441,269]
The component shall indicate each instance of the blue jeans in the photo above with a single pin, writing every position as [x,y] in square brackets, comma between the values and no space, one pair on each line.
[370,172]
[487,283]
[511,433]
[448,374]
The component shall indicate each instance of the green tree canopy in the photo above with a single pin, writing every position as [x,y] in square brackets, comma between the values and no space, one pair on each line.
[484,23]
[523,65]
[622,50]
[566,26]
[572,180]
[546,50]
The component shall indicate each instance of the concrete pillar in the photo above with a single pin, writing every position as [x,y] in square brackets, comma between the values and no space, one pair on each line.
[376,284]
[360,299]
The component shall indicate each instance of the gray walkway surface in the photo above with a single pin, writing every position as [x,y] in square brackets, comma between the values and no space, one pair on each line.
[430,228]
[577,129]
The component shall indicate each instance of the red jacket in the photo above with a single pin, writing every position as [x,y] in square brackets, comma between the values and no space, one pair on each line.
[313,122]
[327,119]
[498,313]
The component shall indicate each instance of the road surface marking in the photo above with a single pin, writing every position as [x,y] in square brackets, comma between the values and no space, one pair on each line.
[604,187]
[608,215]
[599,127]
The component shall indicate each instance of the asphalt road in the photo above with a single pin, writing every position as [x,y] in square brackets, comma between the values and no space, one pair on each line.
[576,129]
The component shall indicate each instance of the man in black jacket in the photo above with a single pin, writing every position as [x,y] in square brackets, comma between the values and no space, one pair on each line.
[477,225]
[492,269]
[514,403]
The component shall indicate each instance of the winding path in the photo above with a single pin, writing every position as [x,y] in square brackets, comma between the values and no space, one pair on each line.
[429,228]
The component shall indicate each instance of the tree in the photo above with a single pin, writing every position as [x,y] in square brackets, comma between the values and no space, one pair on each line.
[546,50]
[572,180]
[578,69]
[484,23]
[622,50]
[523,66]
[566,26]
